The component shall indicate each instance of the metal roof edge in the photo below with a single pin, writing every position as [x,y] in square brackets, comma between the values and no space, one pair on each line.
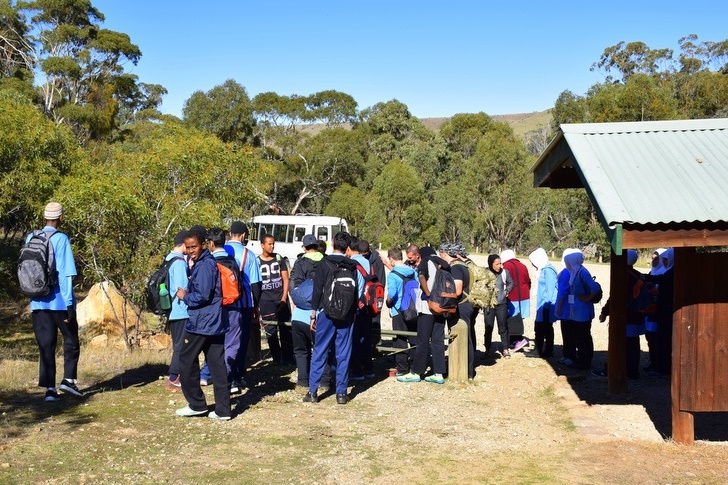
[555,141]
[646,126]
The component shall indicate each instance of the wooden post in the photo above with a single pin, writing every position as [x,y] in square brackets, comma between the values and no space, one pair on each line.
[458,352]
[683,424]
[616,351]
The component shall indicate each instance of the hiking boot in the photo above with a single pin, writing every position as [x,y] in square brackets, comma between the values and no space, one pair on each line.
[341,399]
[189,412]
[70,387]
[411,377]
[52,396]
[213,415]
[520,345]
[435,379]
[310,397]
[174,385]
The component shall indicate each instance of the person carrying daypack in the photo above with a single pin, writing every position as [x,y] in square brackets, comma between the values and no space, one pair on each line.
[398,278]
[371,300]
[177,277]
[55,310]
[499,313]
[301,292]
[333,303]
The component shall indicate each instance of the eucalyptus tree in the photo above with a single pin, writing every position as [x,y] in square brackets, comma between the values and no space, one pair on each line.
[225,111]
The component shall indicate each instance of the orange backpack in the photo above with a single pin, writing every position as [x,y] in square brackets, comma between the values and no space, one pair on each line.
[230,279]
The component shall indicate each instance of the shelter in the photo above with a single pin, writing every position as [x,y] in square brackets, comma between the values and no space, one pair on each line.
[660,184]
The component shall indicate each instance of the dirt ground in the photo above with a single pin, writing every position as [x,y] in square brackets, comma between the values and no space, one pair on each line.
[522,420]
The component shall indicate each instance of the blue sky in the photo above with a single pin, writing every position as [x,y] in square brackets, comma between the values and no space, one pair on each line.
[438,58]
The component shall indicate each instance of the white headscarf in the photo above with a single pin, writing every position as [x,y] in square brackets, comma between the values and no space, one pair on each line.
[659,269]
[567,251]
[507,255]
[539,259]
[573,262]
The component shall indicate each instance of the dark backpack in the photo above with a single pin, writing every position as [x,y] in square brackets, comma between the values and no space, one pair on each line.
[340,293]
[373,299]
[598,295]
[37,274]
[643,300]
[230,279]
[443,298]
[408,303]
[159,277]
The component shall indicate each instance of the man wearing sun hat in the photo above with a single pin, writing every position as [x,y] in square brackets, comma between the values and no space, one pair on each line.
[57,311]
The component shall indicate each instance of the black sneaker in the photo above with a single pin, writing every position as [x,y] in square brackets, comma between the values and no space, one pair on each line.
[52,396]
[70,387]
[310,397]
[342,399]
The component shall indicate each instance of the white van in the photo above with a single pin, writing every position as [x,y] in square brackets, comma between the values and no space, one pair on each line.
[289,232]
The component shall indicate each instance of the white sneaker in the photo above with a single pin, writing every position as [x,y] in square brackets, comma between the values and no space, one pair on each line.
[213,415]
[189,412]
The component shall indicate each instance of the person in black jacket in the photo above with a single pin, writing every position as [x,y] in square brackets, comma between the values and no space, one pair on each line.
[329,331]
[303,338]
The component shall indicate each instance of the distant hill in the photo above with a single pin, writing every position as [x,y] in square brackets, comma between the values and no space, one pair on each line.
[521,123]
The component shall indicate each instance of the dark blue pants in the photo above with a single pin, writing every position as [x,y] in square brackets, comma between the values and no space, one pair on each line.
[328,333]
[236,344]
[303,341]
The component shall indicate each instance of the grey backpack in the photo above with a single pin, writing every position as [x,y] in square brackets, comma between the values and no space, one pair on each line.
[37,274]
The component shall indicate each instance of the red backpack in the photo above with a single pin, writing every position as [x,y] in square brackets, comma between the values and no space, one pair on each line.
[373,298]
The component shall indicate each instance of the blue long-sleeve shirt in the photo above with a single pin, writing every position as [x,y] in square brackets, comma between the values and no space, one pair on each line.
[546,292]
[178,278]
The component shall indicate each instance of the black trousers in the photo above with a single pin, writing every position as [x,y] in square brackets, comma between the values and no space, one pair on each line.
[430,337]
[569,339]
[213,346]
[303,341]
[584,344]
[177,331]
[361,346]
[498,314]
[46,324]
[544,337]
[402,359]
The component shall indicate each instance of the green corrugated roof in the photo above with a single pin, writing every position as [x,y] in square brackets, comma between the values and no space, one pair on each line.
[645,172]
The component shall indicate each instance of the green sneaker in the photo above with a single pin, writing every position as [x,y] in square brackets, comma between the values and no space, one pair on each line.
[411,377]
[436,379]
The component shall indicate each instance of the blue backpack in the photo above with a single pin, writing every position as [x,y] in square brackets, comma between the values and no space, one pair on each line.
[301,294]
[408,303]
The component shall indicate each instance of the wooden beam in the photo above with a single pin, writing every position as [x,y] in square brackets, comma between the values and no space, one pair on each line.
[616,350]
[683,425]
[676,238]
[556,171]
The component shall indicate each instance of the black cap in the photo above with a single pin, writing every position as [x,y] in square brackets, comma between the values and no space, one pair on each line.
[238,227]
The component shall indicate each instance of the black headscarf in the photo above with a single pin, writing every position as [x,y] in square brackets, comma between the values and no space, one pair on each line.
[491,260]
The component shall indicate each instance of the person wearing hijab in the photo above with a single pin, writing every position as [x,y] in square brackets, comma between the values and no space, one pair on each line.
[519,299]
[582,289]
[651,320]
[635,320]
[546,291]
[662,365]
[568,349]
[499,313]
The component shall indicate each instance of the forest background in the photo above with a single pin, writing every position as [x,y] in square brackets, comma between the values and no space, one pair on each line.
[77,128]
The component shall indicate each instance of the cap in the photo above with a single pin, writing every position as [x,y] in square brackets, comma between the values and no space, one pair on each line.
[309,240]
[53,211]
[180,237]
[238,227]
